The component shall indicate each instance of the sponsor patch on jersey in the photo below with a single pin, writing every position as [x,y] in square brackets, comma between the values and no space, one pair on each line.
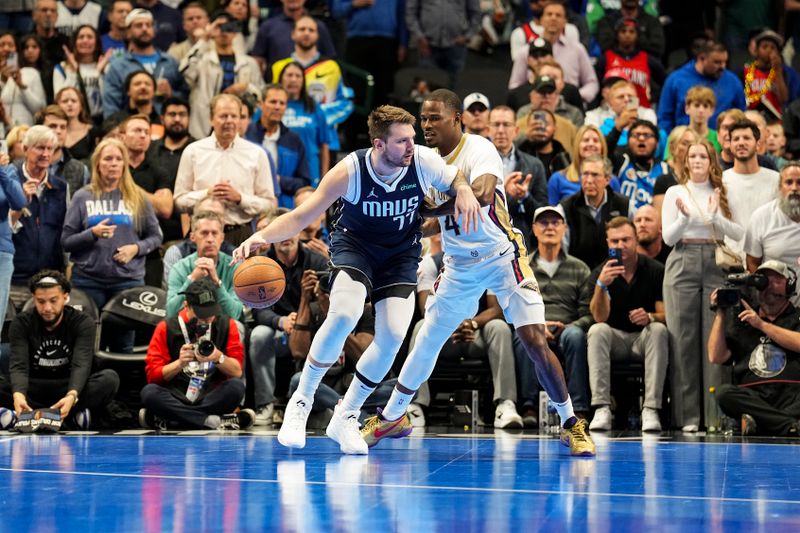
[530,285]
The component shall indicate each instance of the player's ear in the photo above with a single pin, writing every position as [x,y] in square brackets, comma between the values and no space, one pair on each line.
[66,300]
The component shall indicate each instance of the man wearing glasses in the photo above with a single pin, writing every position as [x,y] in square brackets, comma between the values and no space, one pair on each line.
[638,167]
[525,177]
[563,284]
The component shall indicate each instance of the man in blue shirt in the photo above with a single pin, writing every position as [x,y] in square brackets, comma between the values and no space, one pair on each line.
[709,70]
[142,54]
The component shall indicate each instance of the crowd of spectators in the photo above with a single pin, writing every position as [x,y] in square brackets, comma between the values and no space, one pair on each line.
[145,139]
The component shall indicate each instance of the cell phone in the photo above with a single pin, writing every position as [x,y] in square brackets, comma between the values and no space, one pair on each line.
[324,277]
[615,253]
[232,26]
[633,103]
[3,146]
[12,61]
[541,116]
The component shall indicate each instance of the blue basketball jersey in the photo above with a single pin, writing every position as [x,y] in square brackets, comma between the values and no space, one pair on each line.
[382,215]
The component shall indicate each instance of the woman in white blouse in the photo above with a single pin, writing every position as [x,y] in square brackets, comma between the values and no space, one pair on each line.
[695,216]
[22,90]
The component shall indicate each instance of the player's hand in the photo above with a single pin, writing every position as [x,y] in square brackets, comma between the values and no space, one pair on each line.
[225,191]
[319,246]
[639,317]
[750,316]
[252,244]
[468,208]
[610,271]
[21,403]
[126,253]
[64,405]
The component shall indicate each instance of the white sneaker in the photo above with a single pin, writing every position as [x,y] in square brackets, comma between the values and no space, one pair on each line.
[293,430]
[690,428]
[650,420]
[345,429]
[602,419]
[506,416]
[416,415]
[265,414]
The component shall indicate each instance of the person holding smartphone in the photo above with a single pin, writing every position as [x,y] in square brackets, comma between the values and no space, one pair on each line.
[22,93]
[628,309]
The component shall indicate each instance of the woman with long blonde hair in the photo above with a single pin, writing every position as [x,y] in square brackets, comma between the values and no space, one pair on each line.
[677,143]
[695,217]
[564,183]
[109,228]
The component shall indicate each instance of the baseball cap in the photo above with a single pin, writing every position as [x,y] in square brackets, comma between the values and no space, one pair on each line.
[626,22]
[137,13]
[557,209]
[201,295]
[476,98]
[540,47]
[776,266]
[544,84]
[771,35]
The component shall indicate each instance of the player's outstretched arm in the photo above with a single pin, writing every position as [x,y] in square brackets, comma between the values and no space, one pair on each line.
[466,203]
[286,226]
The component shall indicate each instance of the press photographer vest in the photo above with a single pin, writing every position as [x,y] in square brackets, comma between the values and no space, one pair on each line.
[175,339]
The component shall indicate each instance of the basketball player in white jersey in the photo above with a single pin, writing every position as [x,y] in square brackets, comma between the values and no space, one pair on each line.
[492,258]
[375,251]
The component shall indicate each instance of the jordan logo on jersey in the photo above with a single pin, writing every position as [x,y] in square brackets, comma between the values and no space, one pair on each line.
[372,193]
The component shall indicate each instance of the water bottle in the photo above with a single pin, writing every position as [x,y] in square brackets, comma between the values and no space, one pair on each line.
[714,422]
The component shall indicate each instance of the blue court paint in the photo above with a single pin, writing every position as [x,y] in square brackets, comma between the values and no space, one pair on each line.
[502,483]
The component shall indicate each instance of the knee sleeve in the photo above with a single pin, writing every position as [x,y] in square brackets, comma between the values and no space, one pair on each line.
[346,307]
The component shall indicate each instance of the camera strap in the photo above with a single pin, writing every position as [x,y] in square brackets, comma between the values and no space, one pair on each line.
[184,330]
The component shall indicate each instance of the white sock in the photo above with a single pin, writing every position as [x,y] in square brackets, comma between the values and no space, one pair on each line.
[357,393]
[397,404]
[212,422]
[346,307]
[310,378]
[565,410]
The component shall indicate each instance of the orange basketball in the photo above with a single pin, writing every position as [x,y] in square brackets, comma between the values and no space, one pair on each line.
[259,282]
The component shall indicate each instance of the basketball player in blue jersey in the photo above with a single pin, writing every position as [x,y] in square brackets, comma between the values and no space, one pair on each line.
[491,258]
[375,250]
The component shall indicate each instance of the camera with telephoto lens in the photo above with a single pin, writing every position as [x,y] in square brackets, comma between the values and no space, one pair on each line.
[730,294]
[203,347]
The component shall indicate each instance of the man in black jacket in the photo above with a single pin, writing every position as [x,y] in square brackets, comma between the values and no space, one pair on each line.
[268,340]
[588,211]
[51,356]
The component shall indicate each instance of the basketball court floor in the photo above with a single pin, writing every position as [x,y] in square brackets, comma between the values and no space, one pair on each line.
[498,482]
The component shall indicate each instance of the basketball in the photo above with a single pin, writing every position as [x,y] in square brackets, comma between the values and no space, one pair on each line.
[259,282]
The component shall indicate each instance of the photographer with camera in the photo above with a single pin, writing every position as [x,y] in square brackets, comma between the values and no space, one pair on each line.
[193,366]
[762,342]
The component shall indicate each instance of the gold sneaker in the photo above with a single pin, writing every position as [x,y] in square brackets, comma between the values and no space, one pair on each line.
[578,439]
[377,428]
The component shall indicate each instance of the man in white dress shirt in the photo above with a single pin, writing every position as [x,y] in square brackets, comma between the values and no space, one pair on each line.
[227,167]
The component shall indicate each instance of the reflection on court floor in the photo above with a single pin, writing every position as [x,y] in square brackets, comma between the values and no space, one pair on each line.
[499,483]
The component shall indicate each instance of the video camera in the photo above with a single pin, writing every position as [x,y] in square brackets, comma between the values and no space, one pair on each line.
[200,332]
[730,294]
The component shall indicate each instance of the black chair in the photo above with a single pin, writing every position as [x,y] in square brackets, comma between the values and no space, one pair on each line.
[139,309]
